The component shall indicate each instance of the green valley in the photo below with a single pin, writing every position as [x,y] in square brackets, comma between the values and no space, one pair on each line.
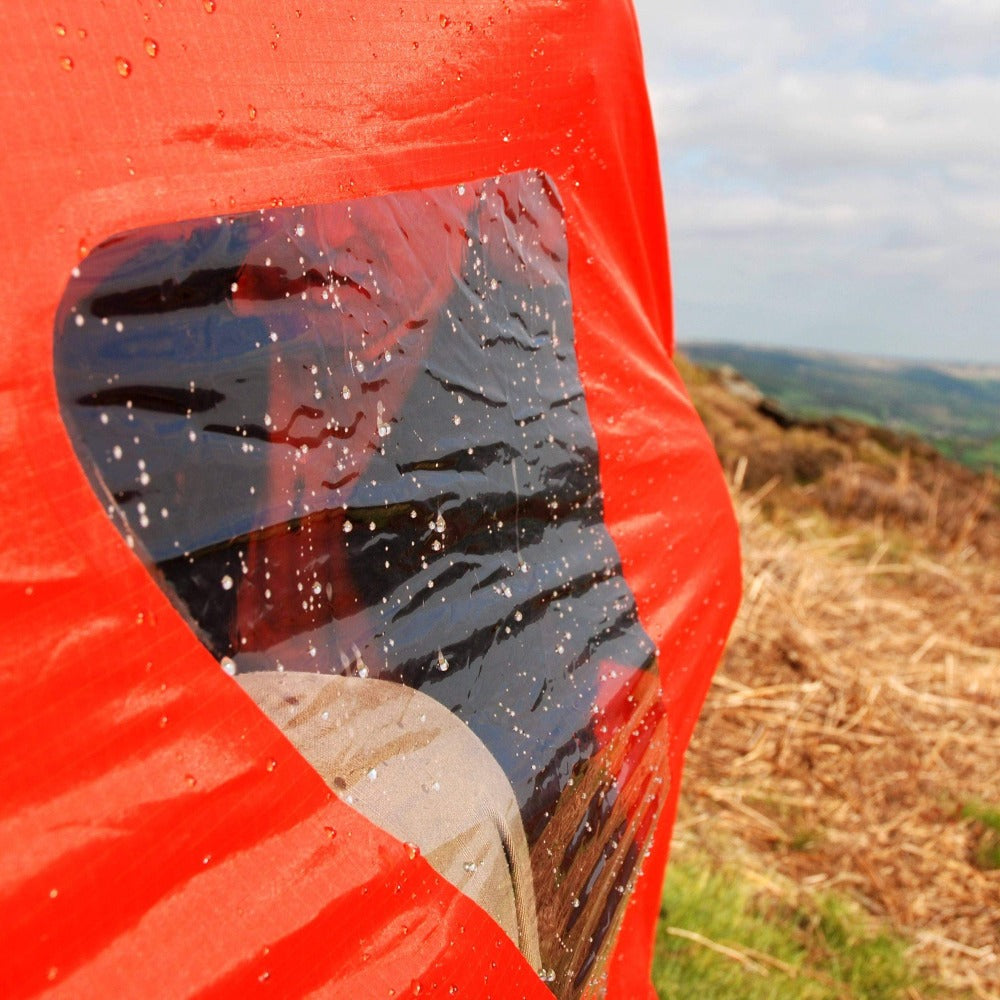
[954,407]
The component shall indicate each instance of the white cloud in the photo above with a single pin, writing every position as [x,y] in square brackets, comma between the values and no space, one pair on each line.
[837,165]
[798,120]
[716,35]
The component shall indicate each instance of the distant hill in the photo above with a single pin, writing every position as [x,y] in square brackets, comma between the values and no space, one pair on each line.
[956,407]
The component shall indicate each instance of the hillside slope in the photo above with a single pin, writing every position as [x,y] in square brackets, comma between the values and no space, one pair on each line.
[956,407]
[851,740]
[855,473]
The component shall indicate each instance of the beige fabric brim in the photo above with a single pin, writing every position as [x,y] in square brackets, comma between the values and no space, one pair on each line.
[412,767]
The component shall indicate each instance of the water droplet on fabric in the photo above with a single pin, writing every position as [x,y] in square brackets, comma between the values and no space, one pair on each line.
[150,47]
[228,666]
[383,428]
[209,6]
[123,66]
[66,62]
[227,582]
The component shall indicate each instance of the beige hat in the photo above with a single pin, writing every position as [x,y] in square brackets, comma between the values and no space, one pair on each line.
[412,767]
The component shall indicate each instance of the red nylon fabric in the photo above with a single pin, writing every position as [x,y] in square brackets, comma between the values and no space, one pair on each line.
[161,836]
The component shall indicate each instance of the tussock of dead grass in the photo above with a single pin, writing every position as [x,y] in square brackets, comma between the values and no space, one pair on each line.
[855,716]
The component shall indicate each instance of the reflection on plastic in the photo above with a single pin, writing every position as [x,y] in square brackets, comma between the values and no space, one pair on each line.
[352,442]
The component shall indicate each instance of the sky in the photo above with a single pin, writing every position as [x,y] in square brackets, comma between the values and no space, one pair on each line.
[831,171]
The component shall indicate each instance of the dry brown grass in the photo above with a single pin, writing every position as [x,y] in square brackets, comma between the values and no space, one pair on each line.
[855,713]
[857,710]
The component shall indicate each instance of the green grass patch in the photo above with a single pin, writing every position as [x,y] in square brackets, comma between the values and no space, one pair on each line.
[978,455]
[986,847]
[722,938]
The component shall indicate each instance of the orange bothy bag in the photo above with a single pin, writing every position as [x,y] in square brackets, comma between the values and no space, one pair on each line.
[364,563]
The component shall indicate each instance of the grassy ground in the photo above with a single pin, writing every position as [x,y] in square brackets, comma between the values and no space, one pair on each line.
[839,834]
[724,935]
